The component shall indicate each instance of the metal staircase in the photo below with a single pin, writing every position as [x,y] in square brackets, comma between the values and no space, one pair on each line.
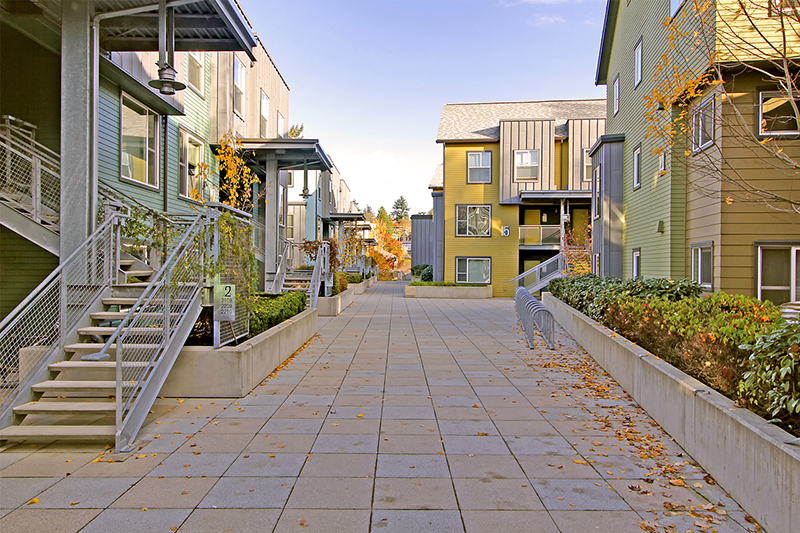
[540,276]
[290,277]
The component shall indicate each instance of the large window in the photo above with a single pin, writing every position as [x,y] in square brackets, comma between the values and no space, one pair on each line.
[616,94]
[526,165]
[139,143]
[637,64]
[674,5]
[636,265]
[190,158]
[474,270]
[637,166]
[777,115]
[703,125]
[238,86]
[778,276]
[264,122]
[703,264]
[194,71]
[290,226]
[479,167]
[474,220]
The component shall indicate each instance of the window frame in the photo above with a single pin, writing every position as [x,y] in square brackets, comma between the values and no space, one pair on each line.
[467,260]
[537,165]
[199,58]
[263,118]
[587,165]
[468,206]
[662,162]
[697,263]
[707,105]
[280,125]
[782,133]
[637,166]
[156,150]
[615,95]
[775,9]
[238,67]
[184,137]
[290,226]
[793,249]
[484,154]
[598,197]
[636,263]
[638,59]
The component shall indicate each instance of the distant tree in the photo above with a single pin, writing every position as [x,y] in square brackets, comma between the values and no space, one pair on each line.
[400,209]
[369,214]
[296,132]
[384,217]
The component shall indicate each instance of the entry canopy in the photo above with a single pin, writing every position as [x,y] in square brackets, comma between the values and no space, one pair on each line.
[290,154]
[348,217]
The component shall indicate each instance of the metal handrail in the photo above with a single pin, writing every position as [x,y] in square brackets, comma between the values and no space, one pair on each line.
[320,274]
[540,234]
[26,177]
[532,312]
[14,130]
[280,272]
[547,267]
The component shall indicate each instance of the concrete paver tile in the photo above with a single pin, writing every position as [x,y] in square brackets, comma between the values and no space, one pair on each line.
[408,413]
[493,521]
[234,425]
[331,443]
[48,464]
[412,466]
[539,445]
[387,521]
[209,442]
[467,427]
[525,428]
[408,444]
[230,520]
[324,521]
[16,491]
[496,494]
[352,412]
[50,520]
[514,413]
[310,399]
[467,400]
[357,400]
[134,466]
[266,465]
[83,493]
[462,413]
[165,493]
[409,427]
[556,467]
[567,494]
[484,466]
[622,466]
[291,425]
[263,399]
[395,400]
[581,428]
[331,493]
[189,464]
[597,521]
[300,412]
[281,443]
[137,521]
[488,445]
[421,493]
[643,496]
[721,524]
[249,411]
[168,424]
[406,390]
[345,426]
[160,444]
[249,493]
[339,465]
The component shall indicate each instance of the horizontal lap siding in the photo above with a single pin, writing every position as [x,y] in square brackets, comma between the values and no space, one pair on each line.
[23,266]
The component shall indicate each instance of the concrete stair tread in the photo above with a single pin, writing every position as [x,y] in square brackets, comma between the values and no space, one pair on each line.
[72,386]
[96,346]
[140,273]
[119,315]
[65,408]
[108,330]
[83,365]
[50,433]
[126,262]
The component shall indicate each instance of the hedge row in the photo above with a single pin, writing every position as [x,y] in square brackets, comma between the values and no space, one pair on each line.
[270,310]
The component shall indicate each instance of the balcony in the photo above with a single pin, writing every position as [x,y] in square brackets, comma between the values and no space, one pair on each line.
[540,236]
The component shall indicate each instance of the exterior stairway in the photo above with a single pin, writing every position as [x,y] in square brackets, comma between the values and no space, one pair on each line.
[297,280]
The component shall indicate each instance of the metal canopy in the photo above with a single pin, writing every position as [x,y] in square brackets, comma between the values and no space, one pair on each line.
[290,154]
[200,25]
[554,195]
[348,217]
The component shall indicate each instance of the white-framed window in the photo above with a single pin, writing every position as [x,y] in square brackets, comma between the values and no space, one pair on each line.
[703,125]
[776,115]
[587,165]
[281,130]
[526,165]
[139,130]
[596,264]
[290,226]
[703,264]
[290,179]
[191,155]
[637,166]
[238,86]
[674,6]
[637,64]
[479,167]
[778,272]
[616,94]
[598,203]
[473,220]
[636,265]
[662,162]
[263,123]
[195,71]
[474,270]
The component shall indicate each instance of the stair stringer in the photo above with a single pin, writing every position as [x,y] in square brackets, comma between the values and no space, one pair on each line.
[38,234]
[128,428]
[54,355]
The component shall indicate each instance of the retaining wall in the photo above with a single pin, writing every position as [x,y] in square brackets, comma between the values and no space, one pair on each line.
[434,291]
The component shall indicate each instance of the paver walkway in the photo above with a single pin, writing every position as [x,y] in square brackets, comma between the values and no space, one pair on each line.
[403,415]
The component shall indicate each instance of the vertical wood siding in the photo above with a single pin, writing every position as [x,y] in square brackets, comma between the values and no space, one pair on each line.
[582,135]
[526,135]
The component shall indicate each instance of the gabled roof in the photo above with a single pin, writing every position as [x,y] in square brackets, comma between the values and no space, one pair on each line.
[609,27]
[437,181]
[481,122]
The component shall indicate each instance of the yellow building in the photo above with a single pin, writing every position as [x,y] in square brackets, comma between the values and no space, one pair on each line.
[514,182]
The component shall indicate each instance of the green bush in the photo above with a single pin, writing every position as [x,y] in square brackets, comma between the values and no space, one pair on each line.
[416,270]
[269,310]
[305,267]
[339,283]
[444,284]
[426,274]
[355,278]
[771,385]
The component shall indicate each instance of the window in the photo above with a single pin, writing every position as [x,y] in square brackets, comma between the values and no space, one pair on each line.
[190,157]
[290,226]
[637,64]
[703,125]
[290,179]
[702,264]
[587,166]
[194,71]
[264,122]
[596,264]
[778,277]
[526,165]
[616,94]
[238,87]
[637,167]
[674,5]
[777,116]
[139,143]
[479,167]
[662,162]
[787,7]
[281,132]
[474,270]
[473,221]
[598,204]
[637,263]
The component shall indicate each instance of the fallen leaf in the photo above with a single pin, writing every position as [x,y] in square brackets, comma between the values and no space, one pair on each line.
[677,482]
[303,523]
[74,503]
[144,508]
[35,500]
[580,462]
[180,401]
[185,492]
[361,415]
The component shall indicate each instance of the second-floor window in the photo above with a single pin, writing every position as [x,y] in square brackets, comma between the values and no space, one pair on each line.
[479,167]
[526,164]
[636,266]
[139,143]
[473,220]
[238,86]
[702,264]
[190,157]
[703,125]
[290,226]
[264,122]
[281,132]
[637,64]
[616,94]
[637,167]
[587,166]
[194,71]
[776,114]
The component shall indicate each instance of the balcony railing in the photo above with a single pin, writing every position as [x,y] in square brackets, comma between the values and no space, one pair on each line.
[537,235]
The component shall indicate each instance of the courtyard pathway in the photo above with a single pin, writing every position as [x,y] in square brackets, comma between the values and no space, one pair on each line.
[402,415]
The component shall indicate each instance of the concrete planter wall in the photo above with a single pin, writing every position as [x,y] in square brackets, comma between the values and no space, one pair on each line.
[333,305]
[371,281]
[744,453]
[358,288]
[433,291]
[233,371]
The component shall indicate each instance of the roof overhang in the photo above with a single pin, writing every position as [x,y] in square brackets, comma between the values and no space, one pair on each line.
[538,195]
[609,26]
[290,154]
[606,139]
[348,217]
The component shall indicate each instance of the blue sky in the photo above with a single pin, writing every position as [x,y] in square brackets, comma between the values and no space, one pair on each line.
[369,78]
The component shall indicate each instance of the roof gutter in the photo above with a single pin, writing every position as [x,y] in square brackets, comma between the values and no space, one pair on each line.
[609,26]
[236,23]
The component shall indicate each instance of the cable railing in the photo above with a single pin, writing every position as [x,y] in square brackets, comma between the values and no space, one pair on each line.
[539,276]
[34,332]
[532,313]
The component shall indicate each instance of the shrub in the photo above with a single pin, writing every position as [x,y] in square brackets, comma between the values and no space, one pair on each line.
[269,310]
[339,283]
[426,274]
[416,270]
[305,267]
[354,278]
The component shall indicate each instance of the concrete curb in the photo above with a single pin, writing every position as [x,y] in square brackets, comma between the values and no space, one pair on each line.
[333,305]
[434,291]
[744,453]
[233,371]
